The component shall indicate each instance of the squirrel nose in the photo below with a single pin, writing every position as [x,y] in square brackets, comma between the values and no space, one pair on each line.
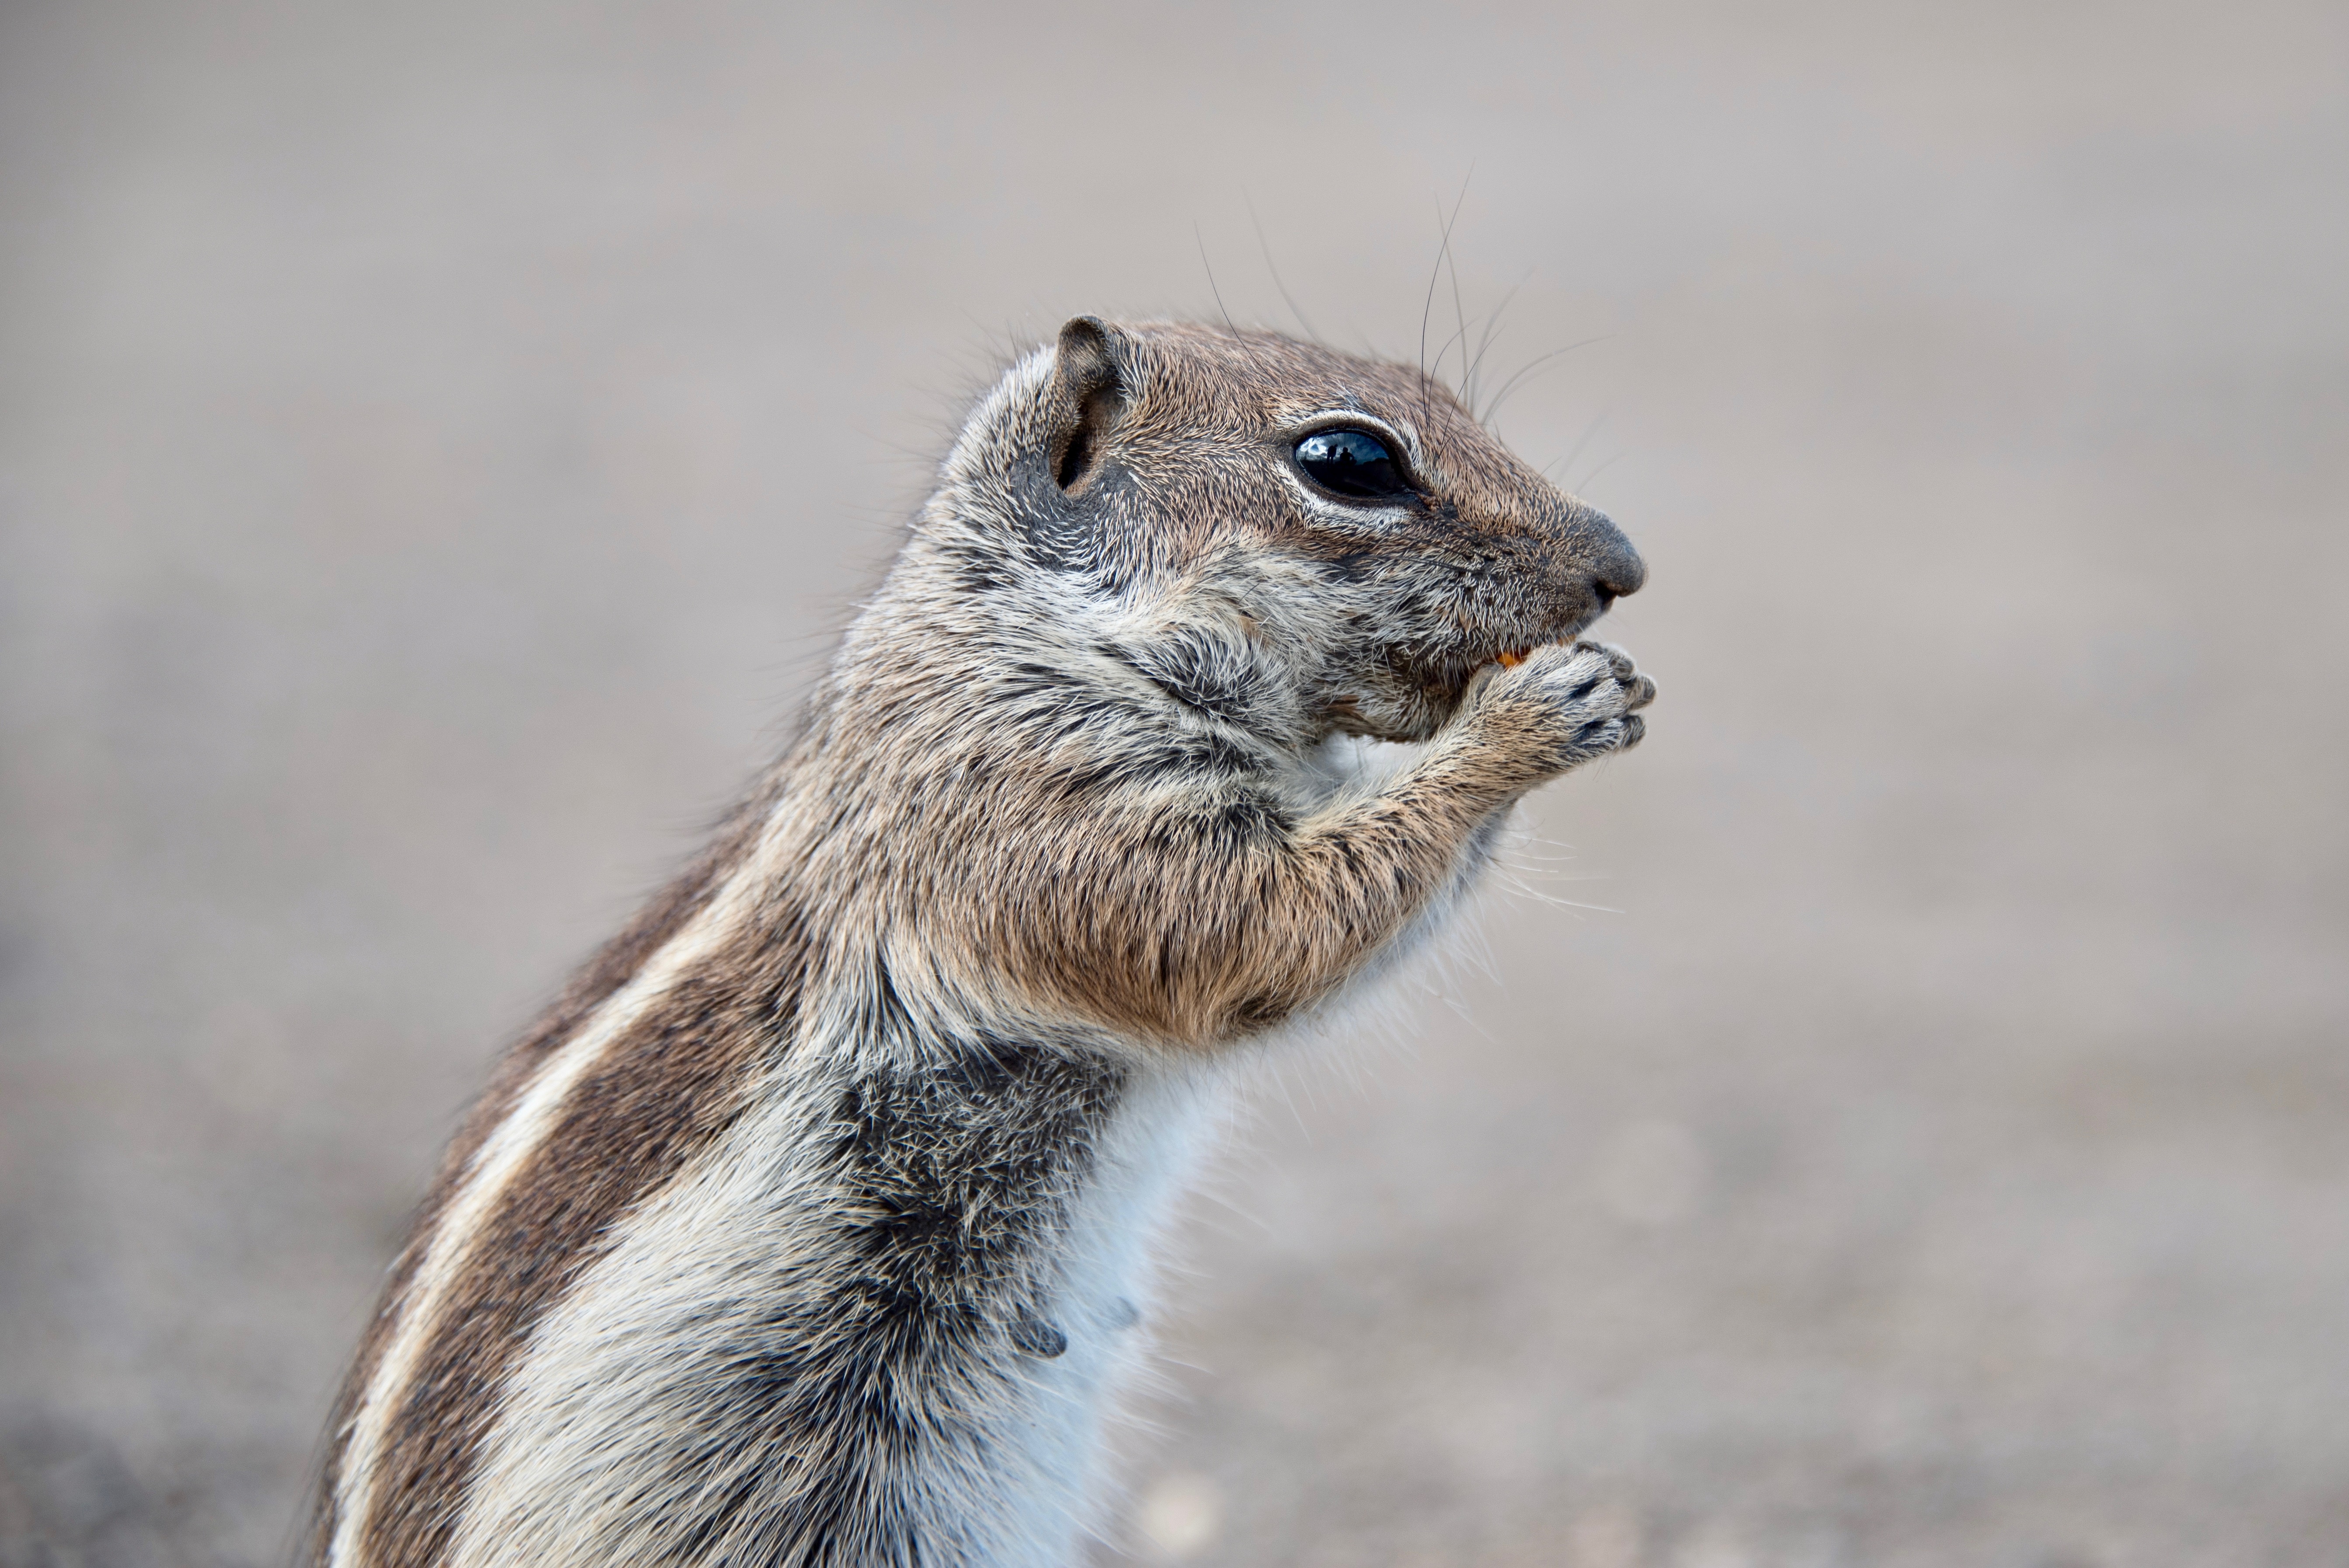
[1616,567]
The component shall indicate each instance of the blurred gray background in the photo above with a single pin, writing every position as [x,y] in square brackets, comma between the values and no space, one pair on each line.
[438,442]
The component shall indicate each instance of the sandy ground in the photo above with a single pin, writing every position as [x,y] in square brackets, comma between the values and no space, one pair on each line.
[438,442]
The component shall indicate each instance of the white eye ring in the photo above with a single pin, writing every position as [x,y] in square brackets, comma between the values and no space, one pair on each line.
[1401,449]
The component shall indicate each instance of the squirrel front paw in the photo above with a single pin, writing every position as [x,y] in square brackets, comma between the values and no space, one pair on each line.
[1563,705]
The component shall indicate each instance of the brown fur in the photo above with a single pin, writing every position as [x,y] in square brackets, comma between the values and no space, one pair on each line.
[430,1475]
[1049,830]
[668,1086]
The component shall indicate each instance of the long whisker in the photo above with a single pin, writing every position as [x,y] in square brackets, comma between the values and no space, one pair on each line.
[1590,477]
[1286,297]
[1201,239]
[1445,347]
[1529,366]
[1451,265]
[1484,338]
[1427,309]
[1567,460]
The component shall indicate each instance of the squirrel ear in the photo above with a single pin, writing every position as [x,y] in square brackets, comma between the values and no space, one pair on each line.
[1088,396]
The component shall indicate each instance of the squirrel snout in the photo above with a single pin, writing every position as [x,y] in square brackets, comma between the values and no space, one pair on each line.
[1615,568]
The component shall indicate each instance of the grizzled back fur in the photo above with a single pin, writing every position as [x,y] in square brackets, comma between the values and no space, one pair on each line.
[811,1224]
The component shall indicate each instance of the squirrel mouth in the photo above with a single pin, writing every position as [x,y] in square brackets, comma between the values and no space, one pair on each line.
[1444,675]
[1510,658]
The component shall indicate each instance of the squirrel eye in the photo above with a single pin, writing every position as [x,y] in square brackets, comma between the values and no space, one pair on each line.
[1353,464]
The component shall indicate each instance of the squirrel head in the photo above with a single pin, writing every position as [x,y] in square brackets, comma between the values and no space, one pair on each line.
[1277,535]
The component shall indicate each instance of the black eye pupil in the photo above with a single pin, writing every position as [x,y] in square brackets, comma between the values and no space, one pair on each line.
[1351,463]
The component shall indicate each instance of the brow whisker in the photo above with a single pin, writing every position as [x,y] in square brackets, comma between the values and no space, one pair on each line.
[1286,298]
[1451,265]
[1426,310]
[1485,339]
[1227,314]
[1567,461]
[1601,469]
[1529,367]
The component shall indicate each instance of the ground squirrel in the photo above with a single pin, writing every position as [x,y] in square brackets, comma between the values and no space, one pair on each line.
[809,1225]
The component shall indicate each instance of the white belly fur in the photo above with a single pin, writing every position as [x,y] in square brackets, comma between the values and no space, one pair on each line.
[575,1468]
